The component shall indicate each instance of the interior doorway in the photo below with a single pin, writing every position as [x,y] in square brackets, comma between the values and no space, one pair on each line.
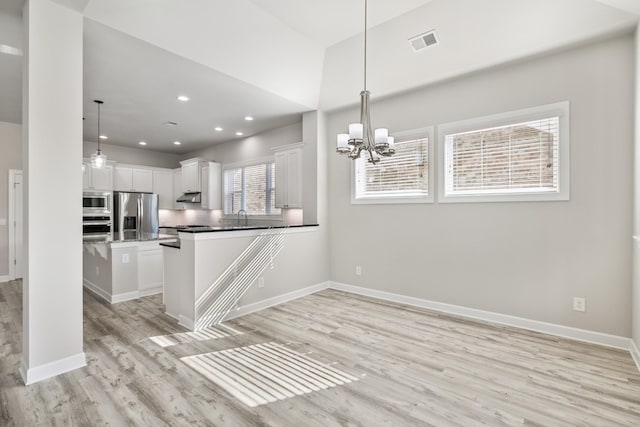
[16,253]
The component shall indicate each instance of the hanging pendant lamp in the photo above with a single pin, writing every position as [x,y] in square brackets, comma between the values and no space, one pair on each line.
[98,159]
[361,137]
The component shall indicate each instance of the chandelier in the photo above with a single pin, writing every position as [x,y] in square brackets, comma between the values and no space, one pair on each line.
[98,159]
[361,137]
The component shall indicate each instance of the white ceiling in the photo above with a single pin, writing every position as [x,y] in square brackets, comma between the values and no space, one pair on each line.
[139,84]
[330,21]
[473,35]
[278,58]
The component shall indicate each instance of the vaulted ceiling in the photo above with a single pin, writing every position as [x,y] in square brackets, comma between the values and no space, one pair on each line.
[275,59]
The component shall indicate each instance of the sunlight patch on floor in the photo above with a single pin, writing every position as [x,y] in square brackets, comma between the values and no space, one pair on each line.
[265,373]
[210,333]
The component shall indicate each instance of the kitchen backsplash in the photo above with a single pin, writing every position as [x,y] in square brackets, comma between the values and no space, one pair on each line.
[173,217]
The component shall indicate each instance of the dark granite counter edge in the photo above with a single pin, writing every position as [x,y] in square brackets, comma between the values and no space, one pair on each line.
[175,244]
[257,227]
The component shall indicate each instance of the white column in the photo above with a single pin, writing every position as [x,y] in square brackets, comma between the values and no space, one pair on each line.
[635,301]
[315,167]
[52,126]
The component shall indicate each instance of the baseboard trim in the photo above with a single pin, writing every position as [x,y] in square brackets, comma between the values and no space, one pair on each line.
[126,296]
[51,369]
[503,319]
[4,279]
[96,290]
[150,291]
[279,299]
[635,354]
[185,322]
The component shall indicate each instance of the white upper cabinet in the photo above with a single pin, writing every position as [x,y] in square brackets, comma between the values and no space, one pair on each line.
[190,176]
[177,187]
[211,185]
[133,179]
[97,179]
[163,187]
[289,178]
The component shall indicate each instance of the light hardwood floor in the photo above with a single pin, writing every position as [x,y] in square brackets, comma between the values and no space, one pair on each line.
[370,362]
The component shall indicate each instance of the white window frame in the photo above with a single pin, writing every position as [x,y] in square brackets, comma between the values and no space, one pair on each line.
[427,132]
[244,164]
[559,109]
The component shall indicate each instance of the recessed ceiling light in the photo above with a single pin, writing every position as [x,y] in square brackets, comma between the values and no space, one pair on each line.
[104,137]
[142,143]
[239,133]
[177,142]
[218,129]
[248,118]
[183,98]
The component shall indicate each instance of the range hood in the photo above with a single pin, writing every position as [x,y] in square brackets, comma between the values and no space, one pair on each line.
[189,198]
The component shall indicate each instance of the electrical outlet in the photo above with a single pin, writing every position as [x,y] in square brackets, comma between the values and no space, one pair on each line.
[579,304]
[358,270]
[261,282]
[125,258]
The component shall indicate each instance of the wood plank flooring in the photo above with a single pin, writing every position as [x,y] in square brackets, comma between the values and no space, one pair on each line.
[404,367]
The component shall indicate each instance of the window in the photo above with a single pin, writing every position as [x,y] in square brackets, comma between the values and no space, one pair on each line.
[516,156]
[251,188]
[404,177]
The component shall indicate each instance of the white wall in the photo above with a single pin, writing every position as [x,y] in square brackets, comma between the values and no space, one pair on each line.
[636,202]
[10,65]
[134,156]
[249,148]
[10,158]
[523,259]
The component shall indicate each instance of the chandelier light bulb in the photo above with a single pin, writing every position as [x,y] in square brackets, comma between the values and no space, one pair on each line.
[381,136]
[342,144]
[355,131]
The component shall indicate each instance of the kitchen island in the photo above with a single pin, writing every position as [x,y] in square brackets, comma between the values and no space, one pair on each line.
[124,265]
[214,270]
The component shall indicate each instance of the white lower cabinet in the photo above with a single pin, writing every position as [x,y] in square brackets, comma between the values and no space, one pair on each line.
[122,271]
[150,270]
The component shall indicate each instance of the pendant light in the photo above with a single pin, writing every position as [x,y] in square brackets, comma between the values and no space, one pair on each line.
[361,137]
[98,159]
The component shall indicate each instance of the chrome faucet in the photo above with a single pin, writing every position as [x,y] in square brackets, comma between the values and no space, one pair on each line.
[246,219]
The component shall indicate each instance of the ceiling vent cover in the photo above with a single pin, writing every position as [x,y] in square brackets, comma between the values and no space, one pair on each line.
[423,41]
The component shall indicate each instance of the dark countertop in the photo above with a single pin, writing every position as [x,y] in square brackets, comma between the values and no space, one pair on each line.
[175,245]
[126,236]
[210,229]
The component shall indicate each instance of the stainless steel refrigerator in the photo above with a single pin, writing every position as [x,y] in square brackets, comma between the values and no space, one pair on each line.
[135,212]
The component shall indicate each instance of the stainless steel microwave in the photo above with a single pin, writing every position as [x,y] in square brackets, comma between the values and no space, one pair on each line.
[96,203]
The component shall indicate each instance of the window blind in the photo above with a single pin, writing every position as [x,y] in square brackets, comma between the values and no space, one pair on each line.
[405,174]
[251,188]
[517,158]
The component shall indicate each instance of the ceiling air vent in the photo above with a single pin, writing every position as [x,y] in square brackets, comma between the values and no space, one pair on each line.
[423,41]
[170,123]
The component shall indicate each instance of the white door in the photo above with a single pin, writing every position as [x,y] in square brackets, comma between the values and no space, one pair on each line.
[16,225]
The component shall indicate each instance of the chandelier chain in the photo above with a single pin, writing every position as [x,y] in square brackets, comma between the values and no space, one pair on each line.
[365,44]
